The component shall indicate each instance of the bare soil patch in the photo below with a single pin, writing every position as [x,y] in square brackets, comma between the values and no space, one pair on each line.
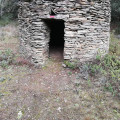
[52,92]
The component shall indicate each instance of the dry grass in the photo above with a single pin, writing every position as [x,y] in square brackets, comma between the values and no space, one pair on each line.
[9,38]
[51,93]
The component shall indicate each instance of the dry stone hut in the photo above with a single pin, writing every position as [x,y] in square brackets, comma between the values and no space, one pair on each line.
[80,27]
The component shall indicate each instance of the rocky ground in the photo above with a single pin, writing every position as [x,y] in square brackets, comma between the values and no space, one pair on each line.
[51,92]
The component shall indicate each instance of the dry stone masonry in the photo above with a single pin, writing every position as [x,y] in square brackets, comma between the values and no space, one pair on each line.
[87,26]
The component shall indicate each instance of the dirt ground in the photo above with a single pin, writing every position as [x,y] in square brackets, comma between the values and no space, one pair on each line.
[52,92]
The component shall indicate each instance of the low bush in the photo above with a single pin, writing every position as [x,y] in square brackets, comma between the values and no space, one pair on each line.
[69,64]
[6,19]
[6,58]
[108,66]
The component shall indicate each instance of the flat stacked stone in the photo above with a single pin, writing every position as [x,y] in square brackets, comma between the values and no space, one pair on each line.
[87,28]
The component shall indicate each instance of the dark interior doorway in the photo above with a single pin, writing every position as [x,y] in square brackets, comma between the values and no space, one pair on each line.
[56,44]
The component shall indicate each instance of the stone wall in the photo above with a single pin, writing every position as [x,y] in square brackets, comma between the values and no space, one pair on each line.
[87,26]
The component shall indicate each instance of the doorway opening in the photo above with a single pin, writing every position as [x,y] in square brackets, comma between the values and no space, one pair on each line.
[56,40]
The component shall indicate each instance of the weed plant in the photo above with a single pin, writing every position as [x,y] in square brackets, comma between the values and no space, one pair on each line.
[6,58]
[109,66]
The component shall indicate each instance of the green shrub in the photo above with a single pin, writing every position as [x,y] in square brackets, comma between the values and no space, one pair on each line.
[117,30]
[6,19]
[95,69]
[4,64]
[70,64]
[109,66]
[115,13]
[8,7]
[6,58]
